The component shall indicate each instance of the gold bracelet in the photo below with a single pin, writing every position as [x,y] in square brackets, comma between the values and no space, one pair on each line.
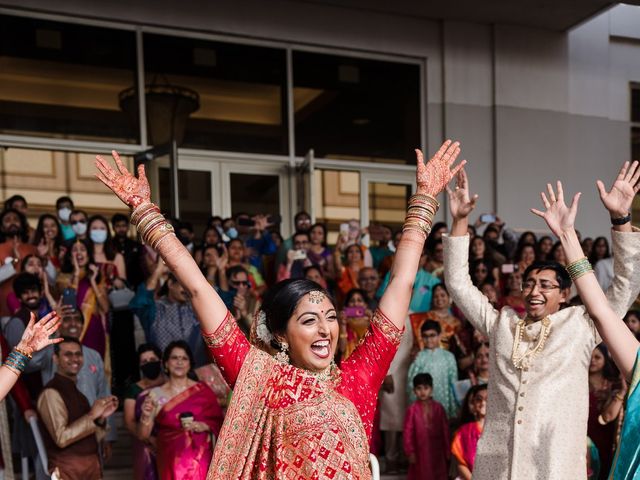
[148,220]
[141,210]
[619,397]
[19,350]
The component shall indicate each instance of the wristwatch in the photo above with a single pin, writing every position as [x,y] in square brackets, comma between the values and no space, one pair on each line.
[621,220]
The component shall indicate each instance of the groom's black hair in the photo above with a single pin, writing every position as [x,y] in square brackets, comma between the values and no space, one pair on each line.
[563,278]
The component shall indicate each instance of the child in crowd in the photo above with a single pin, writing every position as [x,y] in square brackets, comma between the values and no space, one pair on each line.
[440,364]
[426,434]
[465,441]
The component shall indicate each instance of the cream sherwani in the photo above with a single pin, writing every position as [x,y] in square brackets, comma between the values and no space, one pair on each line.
[536,425]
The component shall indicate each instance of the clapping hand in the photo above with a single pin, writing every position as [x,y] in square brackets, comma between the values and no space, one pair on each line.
[558,216]
[618,200]
[433,177]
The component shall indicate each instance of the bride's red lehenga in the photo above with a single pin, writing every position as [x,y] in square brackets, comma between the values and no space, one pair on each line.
[285,422]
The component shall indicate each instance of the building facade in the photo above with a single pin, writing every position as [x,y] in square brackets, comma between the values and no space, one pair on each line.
[315,105]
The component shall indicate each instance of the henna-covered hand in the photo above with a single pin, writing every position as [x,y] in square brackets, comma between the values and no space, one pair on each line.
[36,335]
[131,190]
[433,177]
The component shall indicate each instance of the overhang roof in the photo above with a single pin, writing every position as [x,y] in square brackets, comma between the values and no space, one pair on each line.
[557,15]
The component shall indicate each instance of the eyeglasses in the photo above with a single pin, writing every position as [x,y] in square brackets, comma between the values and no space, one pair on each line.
[543,286]
[245,283]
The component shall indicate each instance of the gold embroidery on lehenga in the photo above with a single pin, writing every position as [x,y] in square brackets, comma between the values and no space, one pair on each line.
[387,327]
[225,334]
[316,430]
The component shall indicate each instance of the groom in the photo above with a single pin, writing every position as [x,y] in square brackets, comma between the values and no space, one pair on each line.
[536,424]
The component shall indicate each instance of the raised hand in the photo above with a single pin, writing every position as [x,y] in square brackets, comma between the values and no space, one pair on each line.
[460,203]
[558,216]
[94,269]
[36,335]
[131,190]
[433,177]
[618,200]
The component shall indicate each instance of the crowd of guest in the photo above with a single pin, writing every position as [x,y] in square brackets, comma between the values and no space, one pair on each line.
[129,327]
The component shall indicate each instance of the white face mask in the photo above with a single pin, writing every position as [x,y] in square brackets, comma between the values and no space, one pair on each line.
[79,228]
[64,213]
[98,236]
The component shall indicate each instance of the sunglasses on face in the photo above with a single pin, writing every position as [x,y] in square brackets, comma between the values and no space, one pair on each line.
[245,283]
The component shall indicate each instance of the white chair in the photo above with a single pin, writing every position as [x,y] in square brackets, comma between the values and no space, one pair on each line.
[375,467]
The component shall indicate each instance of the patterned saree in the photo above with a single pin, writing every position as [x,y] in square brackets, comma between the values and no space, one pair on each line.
[287,423]
[626,464]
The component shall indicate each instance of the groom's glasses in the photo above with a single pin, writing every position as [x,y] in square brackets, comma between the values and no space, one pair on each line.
[543,285]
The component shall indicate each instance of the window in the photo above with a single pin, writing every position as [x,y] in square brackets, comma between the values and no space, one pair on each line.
[42,176]
[241,92]
[357,109]
[63,80]
[194,191]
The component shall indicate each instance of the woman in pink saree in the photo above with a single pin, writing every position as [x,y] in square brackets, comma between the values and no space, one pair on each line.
[293,413]
[186,416]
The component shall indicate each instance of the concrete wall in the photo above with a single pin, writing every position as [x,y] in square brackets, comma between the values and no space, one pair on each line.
[529,105]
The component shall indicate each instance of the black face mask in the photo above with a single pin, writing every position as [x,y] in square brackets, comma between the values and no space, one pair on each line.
[151,370]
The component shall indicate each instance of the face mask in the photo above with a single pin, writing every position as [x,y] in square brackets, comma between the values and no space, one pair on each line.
[79,228]
[64,213]
[151,370]
[232,233]
[98,236]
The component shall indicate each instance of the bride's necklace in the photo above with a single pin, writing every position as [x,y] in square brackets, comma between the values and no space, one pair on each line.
[521,361]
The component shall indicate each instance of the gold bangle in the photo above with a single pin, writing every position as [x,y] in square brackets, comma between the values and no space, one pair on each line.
[148,220]
[19,350]
[621,398]
[140,210]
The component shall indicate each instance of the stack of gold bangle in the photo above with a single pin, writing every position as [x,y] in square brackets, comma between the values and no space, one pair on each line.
[151,224]
[579,268]
[420,213]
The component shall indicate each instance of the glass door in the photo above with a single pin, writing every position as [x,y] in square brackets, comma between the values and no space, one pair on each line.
[384,198]
[255,188]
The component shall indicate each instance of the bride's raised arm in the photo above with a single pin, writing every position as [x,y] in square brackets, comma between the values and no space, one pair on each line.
[431,179]
[157,232]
